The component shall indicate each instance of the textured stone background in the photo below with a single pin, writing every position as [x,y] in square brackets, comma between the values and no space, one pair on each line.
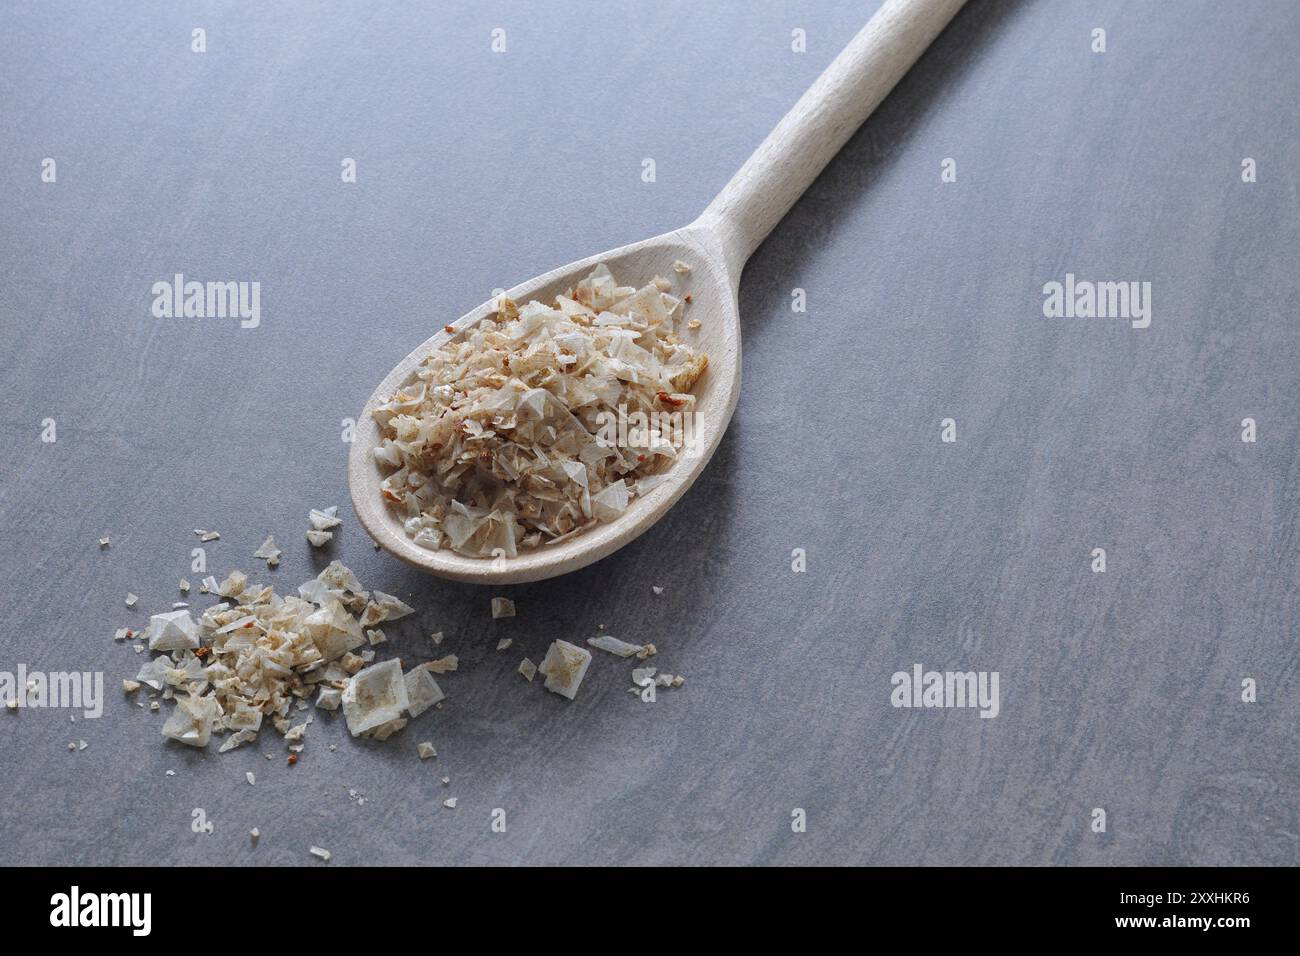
[1119,690]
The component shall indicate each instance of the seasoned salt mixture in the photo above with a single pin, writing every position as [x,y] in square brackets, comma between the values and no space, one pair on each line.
[505,440]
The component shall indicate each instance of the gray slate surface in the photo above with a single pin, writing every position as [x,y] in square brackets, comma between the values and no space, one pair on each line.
[1119,690]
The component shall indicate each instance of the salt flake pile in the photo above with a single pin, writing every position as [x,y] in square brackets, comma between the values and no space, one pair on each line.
[501,442]
[259,656]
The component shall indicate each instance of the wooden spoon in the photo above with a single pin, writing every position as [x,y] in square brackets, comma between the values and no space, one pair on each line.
[716,246]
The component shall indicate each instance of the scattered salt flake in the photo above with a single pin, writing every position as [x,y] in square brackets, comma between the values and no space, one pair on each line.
[329,698]
[502,607]
[393,608]
[422,691]
[248,621]
[82,745]
[208,584]
[614,646]
[450,803]
[375,696]
[234,584]
[130,686]
[154,672]
[426,750]
[237,739]
[320,852]
[681,268]
[250,778]
[184,586]
[268,551]
[443,665]
[322,519]
[656,589]
[103,542]
[504,643]
[255,834]
[297,731]
[173,631]
[436,637]
[528,669]
[679,680]
[647,651]
[319,539]
[376,637]
[446,781]
[386,730]
[191,722]
[131,599]
[335,578]
[564,667]
[642,675]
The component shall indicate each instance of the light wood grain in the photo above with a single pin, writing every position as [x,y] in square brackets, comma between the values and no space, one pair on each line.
[717,245]
[798,149]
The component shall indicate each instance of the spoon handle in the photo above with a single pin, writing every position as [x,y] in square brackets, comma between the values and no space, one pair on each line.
[815,129]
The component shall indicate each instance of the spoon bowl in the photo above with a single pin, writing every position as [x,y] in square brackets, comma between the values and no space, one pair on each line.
[716,247]
[713,302]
